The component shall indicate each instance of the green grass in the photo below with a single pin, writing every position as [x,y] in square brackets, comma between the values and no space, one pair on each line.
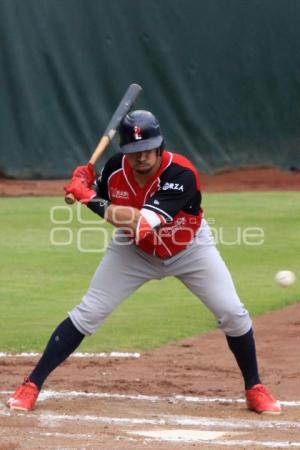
[40,282]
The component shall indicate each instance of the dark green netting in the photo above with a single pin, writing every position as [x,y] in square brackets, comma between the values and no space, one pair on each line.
[222,76]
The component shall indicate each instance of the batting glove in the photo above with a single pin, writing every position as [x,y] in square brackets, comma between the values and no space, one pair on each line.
[80,189]
[85,173]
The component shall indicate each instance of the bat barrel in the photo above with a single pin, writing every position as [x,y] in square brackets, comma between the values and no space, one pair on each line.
[123,108]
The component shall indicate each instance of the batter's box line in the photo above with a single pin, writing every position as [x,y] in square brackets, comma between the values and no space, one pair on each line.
[49,394]
[75,355]
[163,420]
[178,434]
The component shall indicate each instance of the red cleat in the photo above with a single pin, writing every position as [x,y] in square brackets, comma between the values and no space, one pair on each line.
[24,397]
[261,401]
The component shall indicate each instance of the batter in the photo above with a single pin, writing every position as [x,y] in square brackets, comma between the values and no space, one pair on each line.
[153,197]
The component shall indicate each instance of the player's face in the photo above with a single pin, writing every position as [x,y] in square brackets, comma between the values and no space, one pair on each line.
[144,163]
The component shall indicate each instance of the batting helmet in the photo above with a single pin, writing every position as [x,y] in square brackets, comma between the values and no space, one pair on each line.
[139,131]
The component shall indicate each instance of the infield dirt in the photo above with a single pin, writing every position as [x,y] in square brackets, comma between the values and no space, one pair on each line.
[198,366]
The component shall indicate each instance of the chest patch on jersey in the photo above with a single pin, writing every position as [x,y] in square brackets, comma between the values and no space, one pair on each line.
[119,193]
[174,186]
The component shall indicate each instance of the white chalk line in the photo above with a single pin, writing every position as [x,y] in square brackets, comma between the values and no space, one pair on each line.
[50,419]
[211,438]
[204,422]
[48,394]
[228,443]
[75,355]
[64,435]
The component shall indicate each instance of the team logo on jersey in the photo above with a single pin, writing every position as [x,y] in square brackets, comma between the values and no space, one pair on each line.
[118,193]
[178,224]
[172,186]
[137,133]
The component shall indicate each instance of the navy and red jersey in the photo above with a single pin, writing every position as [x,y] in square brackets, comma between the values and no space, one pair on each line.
[173,194]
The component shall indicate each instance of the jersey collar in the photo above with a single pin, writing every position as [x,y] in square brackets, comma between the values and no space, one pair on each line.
[129,176]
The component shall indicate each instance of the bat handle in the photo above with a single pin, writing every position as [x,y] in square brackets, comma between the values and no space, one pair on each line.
[103,143]
[70,199]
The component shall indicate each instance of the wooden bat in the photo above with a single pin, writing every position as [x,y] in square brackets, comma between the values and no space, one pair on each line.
[124,106]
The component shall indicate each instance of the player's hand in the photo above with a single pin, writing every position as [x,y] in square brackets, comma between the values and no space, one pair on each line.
[80,189]
[85,173]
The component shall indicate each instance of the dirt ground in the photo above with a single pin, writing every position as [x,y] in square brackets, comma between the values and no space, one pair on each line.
[195,368]
[182,396]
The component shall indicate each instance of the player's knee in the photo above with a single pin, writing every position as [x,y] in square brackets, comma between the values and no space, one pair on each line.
[89,315]
[235,322]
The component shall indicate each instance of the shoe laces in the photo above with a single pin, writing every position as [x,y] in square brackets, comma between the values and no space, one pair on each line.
[262,392]
[27,390]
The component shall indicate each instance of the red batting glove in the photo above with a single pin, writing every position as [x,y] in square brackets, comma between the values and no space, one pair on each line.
[86,173]
[81,191]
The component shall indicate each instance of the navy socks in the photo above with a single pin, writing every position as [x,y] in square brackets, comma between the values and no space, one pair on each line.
[243,348]
[65,339]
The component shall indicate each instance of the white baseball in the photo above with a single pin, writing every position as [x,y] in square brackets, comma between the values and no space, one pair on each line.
[285,278]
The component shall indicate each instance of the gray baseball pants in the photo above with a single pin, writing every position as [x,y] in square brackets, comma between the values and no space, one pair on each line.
[124,268]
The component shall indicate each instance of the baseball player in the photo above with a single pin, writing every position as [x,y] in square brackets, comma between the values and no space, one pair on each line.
[153,197]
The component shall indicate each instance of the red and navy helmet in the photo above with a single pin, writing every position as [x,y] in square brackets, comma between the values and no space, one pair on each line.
[139,131]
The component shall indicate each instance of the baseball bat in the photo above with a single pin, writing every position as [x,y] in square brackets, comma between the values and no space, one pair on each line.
[124,106]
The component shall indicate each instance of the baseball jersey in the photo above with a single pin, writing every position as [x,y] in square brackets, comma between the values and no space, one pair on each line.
[171,196]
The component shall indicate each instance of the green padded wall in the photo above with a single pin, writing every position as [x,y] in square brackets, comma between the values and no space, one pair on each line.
[222,76]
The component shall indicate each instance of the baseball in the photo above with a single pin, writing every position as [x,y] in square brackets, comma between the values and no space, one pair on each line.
[285,278]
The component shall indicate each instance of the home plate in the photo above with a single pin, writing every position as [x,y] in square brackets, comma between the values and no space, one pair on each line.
[181,435]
